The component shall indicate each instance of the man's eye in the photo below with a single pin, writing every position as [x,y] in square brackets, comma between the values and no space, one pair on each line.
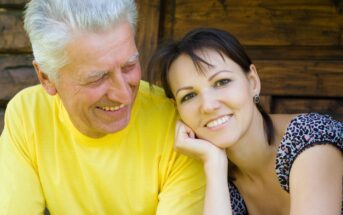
[222,82]
[128,68]
[98,80]
[187,97]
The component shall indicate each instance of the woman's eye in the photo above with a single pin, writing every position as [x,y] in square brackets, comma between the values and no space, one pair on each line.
[187,97]
[222,82]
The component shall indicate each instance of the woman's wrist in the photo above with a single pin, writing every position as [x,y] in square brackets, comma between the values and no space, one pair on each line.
[216,166]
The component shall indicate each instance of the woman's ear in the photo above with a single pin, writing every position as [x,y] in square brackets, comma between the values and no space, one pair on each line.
[43,78]
[254,80]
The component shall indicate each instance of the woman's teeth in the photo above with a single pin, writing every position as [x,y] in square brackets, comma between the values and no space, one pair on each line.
[217,122]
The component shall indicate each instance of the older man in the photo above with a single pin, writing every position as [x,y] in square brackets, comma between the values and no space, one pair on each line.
[91,138]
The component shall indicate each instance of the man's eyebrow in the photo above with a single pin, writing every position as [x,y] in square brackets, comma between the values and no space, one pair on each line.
[98,74]
[132,59]
[93,76]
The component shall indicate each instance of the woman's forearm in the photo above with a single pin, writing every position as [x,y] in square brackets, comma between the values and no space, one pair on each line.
[217,199]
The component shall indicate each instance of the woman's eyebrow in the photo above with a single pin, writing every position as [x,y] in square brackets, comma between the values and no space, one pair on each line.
[217,73]
[182,88]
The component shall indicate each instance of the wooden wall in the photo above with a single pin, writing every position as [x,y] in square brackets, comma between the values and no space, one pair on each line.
[16,71]
[297,45]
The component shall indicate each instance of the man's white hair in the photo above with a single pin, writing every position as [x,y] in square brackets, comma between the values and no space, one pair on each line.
[50,24]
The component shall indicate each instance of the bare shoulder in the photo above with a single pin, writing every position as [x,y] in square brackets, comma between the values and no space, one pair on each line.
[316,181]
[323,159]
[321,154]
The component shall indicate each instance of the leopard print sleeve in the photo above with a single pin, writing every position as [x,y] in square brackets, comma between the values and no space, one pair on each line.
[304,131]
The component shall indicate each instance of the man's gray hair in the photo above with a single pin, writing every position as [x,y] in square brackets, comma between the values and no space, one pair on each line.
[50,24]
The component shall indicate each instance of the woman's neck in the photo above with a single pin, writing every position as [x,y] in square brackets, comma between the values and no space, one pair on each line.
[252,154]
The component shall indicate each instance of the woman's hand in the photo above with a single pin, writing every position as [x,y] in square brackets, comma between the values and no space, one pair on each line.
[213,157]
[217,197]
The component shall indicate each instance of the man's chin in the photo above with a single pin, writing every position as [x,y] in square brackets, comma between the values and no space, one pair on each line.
[117,129]
[116,126]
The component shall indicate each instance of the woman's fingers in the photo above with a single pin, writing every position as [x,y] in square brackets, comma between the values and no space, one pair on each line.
[187,143]
[185,140]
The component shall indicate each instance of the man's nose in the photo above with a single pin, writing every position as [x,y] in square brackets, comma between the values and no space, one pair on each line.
[209,102]
[119,89]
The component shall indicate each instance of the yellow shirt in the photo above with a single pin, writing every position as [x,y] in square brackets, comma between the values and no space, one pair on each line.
[46,162]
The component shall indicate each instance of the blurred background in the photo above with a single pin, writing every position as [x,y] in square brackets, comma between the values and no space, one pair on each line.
[296,45]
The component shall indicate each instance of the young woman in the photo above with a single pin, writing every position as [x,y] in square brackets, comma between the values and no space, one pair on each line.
[255,163]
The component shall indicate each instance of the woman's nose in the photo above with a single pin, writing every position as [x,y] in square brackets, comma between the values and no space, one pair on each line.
[209,102]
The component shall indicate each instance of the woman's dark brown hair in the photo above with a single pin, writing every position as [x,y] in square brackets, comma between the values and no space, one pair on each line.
[197,40]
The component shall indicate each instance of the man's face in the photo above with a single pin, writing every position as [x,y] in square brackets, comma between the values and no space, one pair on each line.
[99,85]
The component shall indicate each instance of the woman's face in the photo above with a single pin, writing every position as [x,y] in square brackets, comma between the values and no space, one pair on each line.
[217,104]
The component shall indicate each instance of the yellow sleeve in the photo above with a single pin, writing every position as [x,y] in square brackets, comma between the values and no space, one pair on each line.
[20,189]
[183,190]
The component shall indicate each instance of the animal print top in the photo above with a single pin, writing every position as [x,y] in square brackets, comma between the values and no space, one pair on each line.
[304,131]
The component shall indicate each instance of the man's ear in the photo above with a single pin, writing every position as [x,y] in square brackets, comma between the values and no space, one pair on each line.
[43,78]
[254,80]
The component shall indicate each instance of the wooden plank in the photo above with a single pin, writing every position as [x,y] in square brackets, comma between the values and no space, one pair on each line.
[266,102]
[13,2]
[332,106]
[266,3]
[167,20]
[148,28]
[304,23]
[332,53]
[12,33]
[299,78]
[16,73]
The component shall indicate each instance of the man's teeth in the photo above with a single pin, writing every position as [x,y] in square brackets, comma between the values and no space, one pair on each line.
[106,108]
[217,122]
